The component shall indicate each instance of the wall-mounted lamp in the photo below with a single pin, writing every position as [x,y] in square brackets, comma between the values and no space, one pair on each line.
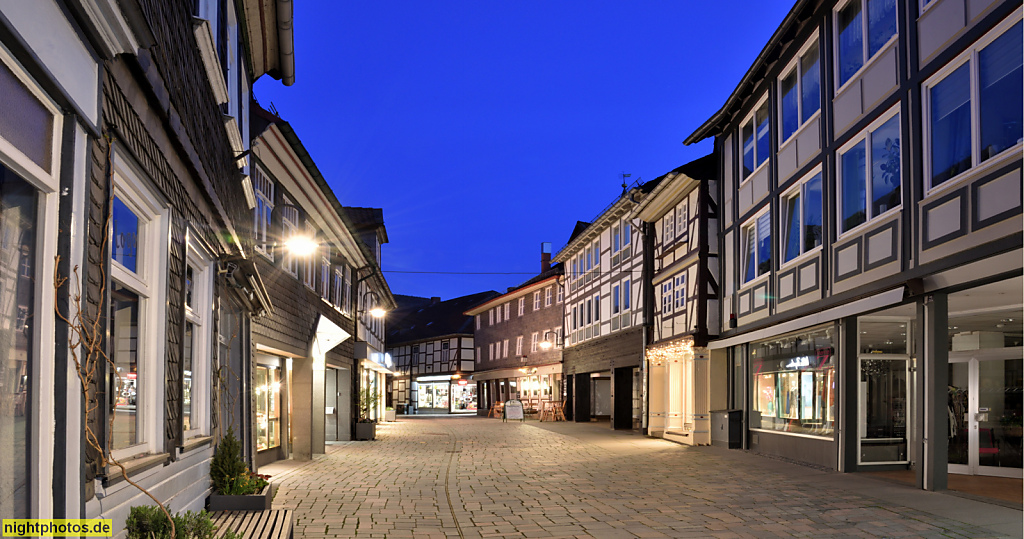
[547,343]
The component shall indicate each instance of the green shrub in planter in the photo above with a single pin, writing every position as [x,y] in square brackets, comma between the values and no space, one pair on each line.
[228,471]
[150,522]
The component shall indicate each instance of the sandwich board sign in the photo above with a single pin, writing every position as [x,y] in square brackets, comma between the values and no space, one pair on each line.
[513,410]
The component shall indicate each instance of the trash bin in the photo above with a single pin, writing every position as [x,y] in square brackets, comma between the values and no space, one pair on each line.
[400,409]
[727,428]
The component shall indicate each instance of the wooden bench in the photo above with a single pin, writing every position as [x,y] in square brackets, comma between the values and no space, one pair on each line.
[270,524]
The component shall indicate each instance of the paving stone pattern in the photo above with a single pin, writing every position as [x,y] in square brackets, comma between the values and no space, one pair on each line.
[451,477]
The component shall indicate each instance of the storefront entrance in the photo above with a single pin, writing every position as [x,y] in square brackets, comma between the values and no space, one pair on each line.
[985,392]
[433,397]
[464,398]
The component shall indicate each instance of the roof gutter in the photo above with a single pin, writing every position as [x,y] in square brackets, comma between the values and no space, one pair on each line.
[286,41]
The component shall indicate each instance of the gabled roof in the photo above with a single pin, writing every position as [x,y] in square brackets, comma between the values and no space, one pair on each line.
[672,185]
[415,320]
[577,230]
[619,207]
[771,52]
[541,280]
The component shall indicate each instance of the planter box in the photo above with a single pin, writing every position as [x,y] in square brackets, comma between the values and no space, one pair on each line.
[243,502]
[389,415]
[366,431]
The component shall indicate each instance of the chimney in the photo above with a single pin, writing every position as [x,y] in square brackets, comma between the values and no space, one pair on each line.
[545,256]
[435,300]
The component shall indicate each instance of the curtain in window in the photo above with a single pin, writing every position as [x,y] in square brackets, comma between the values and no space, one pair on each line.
[951,125]
[851,41]
[810,84]
[764,245]
[885,167]
[812,213]
[1001,96]
[854,195]
[881,24]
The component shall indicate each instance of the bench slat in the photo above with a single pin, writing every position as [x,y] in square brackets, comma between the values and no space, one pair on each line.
[272,524]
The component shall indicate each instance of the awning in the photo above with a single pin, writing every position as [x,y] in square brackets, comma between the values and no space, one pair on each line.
[871,303]
[327,336]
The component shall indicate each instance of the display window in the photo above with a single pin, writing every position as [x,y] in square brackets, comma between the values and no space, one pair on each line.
[464,398]
[433,395]
[794,384]
[883,385]
[268,407]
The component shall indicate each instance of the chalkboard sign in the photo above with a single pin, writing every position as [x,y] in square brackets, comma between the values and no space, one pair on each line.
[513,410]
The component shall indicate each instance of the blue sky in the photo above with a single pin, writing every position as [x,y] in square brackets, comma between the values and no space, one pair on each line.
[485,128]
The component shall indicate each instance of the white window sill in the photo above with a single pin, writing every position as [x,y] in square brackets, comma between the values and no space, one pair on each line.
[1010,154]
[803,257]
[753,173]
[870,223]
[799,130]
[867,65]
[754,282]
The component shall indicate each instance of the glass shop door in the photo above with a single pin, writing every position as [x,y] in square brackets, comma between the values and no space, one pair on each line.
[985,403]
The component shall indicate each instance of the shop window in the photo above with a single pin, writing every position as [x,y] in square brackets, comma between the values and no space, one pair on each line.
[866,195]
[800,90]
[801,218]
[794,383]
[138,266]
[974,109]
[268,407]
[857,42]
[756,249]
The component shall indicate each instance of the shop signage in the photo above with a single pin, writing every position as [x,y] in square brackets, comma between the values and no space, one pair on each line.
[513,410]
[463,382]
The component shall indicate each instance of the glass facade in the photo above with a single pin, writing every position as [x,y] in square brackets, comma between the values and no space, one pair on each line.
[883,388]
[793,382]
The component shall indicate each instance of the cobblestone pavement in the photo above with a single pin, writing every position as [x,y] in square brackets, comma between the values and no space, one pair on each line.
[474,477]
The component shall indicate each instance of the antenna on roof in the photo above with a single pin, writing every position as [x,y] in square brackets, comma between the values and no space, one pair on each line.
[624,184]
[273,109]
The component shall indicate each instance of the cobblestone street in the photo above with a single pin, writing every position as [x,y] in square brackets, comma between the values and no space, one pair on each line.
[473,477]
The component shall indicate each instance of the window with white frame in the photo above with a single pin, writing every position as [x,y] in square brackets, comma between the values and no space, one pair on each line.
[800,90]
[497,314]
[561,293]
[519,345]
[616,299]
[620,305]
[666,297]
[857,42]
[668,227]
[621,242]
[337,285]
[490,317]
[137,313]
[683,220]
[522,306]
[536,300]
[290,226]
[264,188]
[196,359]
[548,294]
[325,272]
[756,247]
[533,342]
[801,218]
[508,310]
[490,351]
[308,264]
[478,322]
[679,291]
[754,137]
[504,345]
[865,195]
[973,107]
[346,301]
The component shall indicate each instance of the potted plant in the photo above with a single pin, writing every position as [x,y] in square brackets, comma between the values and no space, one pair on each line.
[389,413]
[150,522]
[366,428]
[235,488]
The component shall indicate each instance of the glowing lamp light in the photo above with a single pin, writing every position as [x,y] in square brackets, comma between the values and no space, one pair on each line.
[545,345]
[301,245]
[377,312]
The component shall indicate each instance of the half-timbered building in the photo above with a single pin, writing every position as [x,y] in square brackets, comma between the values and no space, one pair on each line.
[603,314]
[683,215]
[431,345]
[871,238]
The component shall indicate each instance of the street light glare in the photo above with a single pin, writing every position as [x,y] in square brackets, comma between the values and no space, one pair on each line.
[300,245]
[545,345]
[377,312]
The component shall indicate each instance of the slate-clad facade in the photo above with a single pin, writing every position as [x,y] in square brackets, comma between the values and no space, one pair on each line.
[871,238]
[138,182]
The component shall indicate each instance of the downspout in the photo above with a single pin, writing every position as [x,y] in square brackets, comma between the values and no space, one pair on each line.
[286,41]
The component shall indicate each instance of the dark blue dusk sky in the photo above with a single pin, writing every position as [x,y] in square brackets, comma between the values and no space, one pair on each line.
[484,128]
